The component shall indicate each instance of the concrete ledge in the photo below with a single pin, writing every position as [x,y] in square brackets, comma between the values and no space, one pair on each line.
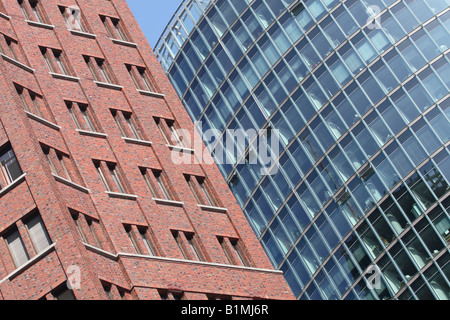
[28,263]
[40,24]
[42,120]
[64,77]
[83,34]
[71,184]
[122,195]
[151,94]
[4,16]
[137,141]
[125,43]
[108,85]
[135,255]
[212,208]
[13,184]
[92,133]
[17,63]
[169,202]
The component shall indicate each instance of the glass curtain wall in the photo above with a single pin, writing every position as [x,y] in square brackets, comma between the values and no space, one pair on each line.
[359,94]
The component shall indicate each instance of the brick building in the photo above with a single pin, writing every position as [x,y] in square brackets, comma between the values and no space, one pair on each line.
[89,193]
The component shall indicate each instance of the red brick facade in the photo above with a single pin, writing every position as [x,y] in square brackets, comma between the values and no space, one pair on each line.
[79,117]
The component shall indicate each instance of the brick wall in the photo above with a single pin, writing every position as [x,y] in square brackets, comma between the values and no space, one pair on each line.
[67,184]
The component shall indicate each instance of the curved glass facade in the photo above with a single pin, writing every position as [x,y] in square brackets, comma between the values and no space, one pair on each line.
[359,92]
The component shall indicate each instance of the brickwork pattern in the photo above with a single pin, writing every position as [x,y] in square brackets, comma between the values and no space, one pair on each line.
[108,262]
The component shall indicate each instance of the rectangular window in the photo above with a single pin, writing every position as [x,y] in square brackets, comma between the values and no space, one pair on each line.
[32,10]
[126,124]
[141,78]
[78,224]
[115,177]
[33,103]
[232,251]
[81,116]
[143,232]
[17,247]
[177,236]
[187,245]
[237,251]
[139,235]
[37,232]
[129,231]
[11,48]
[2,9]
[73,18]
[201,190]
[93,226]
[192,246]
[297,8]
[88,228]
[115,28]
[108,288]
[110,177]
[225,249]
[60,163]
[170,132]
[99,69]
[9,166]
[55,60]
[158,184]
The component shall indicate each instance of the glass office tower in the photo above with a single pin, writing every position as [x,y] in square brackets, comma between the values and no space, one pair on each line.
[359,94]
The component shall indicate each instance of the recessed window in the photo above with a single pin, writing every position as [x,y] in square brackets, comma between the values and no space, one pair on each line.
[168,295]
[11,48]
[109,175]
[73,18]
[55,61]
[141,78]
[113,291]
[232,251]
[33,103]
[115,28]
[170,132]
[158,184]
[297,8]
[238,252]
[192,246]
[32,10]
[89,228]
[9,167]
[201,190]
[143,233]
[107,288]
[63,293]
[126,124]
[37,232]
[17,247]
[60,163]
[187,244]
[81,116]
[140,235]
[131,236]
[99,69]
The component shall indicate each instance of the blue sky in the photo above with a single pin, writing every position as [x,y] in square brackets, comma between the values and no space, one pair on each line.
[153,16]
